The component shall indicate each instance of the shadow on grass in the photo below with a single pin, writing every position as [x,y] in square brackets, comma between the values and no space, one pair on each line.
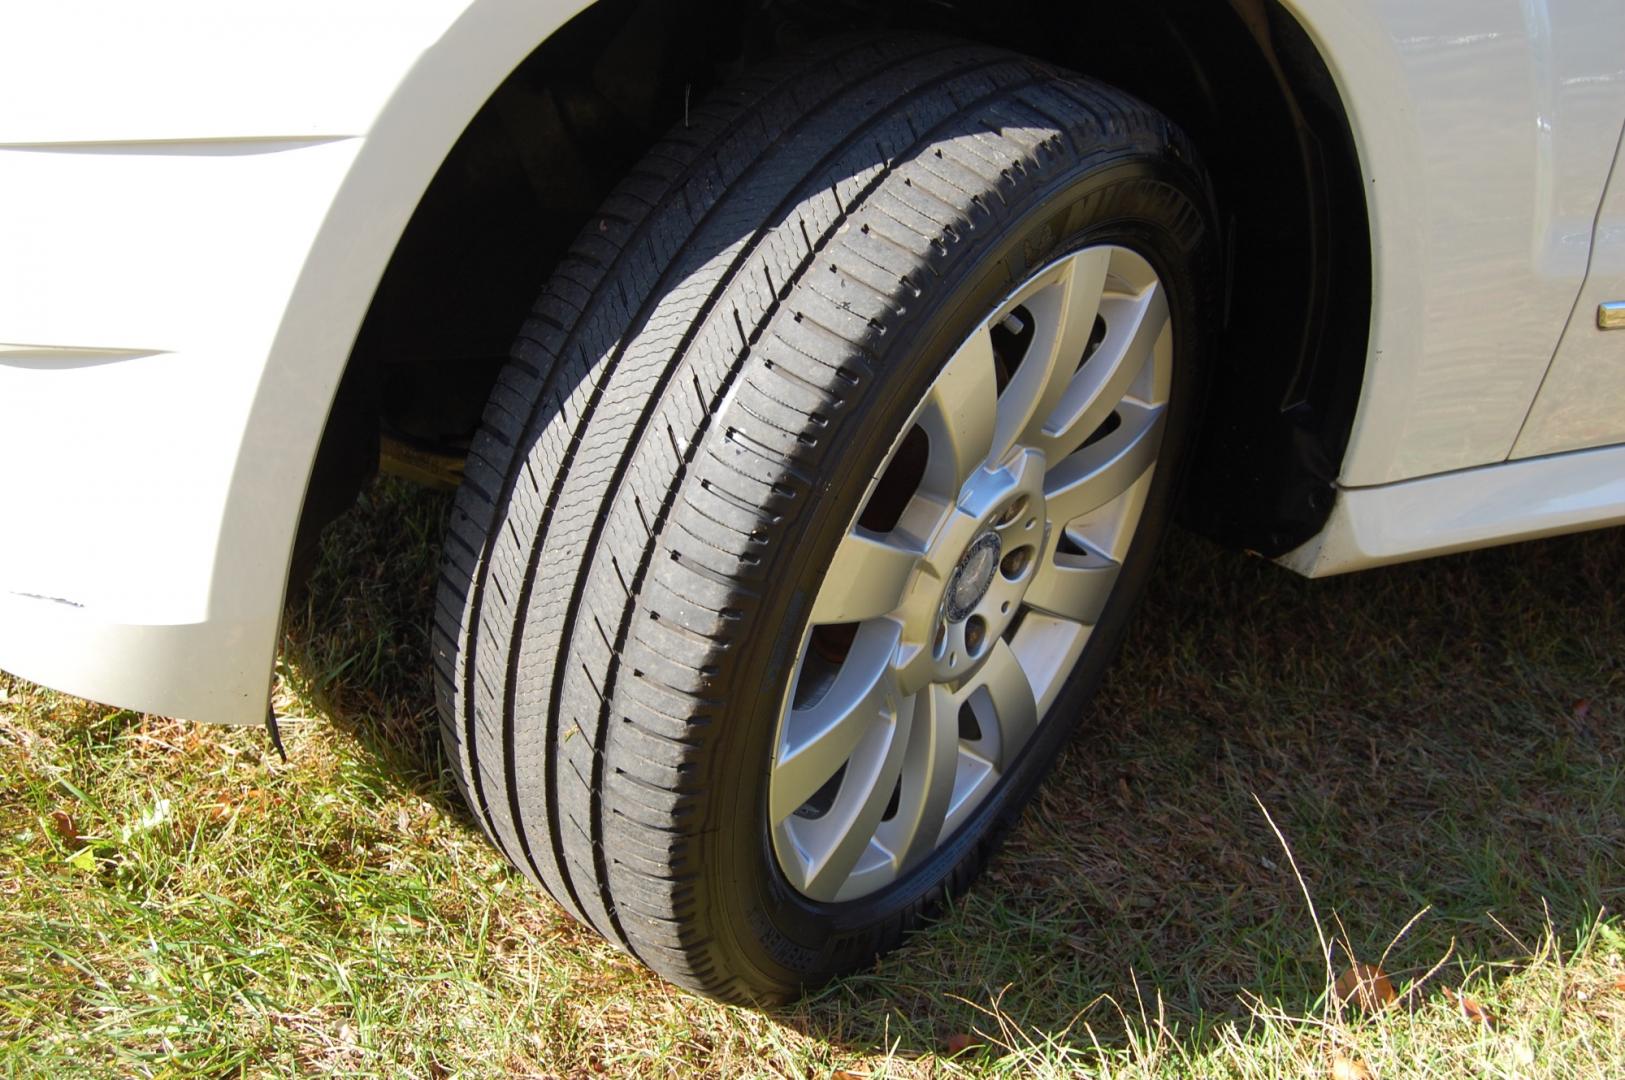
[355,647]
[1446,735]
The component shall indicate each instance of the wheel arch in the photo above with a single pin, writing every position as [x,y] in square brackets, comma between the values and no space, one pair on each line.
[380,272]
[311,439]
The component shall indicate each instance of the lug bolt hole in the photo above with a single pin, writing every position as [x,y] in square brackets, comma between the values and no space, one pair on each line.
[975,634]
[1004,608]
[1031,522]
[1015,563]
[1017,507]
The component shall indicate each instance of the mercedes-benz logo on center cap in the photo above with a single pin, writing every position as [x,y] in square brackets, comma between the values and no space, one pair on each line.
[972,576]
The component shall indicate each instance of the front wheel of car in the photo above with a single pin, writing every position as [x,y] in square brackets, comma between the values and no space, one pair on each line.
[815,498]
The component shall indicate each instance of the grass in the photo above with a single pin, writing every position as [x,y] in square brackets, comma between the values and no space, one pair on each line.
[1442,747]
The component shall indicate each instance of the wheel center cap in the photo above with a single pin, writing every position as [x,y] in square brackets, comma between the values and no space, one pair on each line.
[972,576]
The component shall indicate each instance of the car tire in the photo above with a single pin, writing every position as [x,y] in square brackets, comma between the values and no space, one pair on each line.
[698,417]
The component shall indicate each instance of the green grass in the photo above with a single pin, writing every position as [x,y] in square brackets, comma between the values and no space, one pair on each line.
[1441,745]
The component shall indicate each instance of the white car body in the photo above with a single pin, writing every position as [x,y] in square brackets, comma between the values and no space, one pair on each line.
[197,203]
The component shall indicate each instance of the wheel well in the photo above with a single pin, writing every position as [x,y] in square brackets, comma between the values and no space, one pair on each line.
[1242,79]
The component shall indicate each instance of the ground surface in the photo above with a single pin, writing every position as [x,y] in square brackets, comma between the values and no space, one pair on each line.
[1442,747]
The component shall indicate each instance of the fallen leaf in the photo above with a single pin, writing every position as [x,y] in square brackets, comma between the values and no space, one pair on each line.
[1349,1069]
[959,1042]
[67,829]
[1364,985]
[842,1074]
[1470,1009]
[1582,708]
[1619,984]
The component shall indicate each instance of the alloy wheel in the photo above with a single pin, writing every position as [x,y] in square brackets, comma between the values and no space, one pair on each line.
[964,591]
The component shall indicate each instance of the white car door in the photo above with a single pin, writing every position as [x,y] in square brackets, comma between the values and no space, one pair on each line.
[1582,402]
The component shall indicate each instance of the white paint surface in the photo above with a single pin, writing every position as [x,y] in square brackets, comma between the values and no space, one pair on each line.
[1582,401]
[1486,129]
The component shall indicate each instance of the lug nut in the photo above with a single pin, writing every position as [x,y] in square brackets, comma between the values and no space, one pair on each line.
[1014,564]
[975,634]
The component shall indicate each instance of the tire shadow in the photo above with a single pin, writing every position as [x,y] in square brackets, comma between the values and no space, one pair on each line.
[355,646]
[1446,735]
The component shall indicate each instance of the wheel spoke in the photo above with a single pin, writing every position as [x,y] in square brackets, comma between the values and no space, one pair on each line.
[1101,471]
[960,415]
[1072,586]
[1064,311]
[851,823]
[1014,705]
[1135,325]
[928,778]
[866,578]
[822,737]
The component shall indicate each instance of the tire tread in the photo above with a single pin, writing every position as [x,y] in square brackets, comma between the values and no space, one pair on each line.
[666,414]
